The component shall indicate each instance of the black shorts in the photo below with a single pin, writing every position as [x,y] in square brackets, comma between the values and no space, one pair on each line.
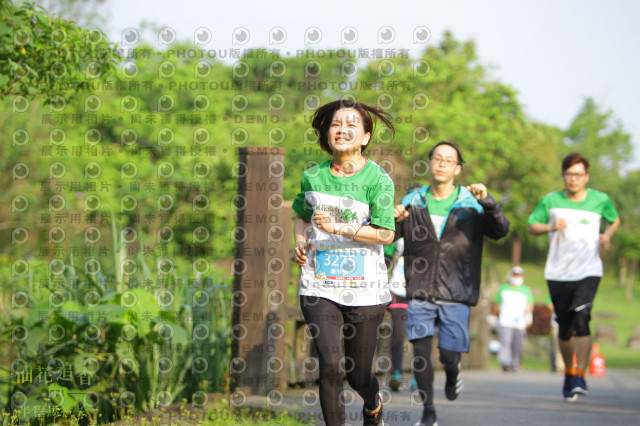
[569,297]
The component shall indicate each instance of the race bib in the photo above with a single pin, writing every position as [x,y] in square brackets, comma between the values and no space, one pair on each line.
[340,265]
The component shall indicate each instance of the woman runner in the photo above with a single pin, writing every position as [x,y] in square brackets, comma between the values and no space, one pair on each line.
[344,217]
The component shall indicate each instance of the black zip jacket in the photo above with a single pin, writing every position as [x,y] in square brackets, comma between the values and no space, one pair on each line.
[448,268]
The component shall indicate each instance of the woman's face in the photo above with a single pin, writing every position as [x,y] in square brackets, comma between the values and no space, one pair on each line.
[346,132]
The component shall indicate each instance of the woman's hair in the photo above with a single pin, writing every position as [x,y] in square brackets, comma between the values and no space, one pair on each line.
[573,159]
[324,115]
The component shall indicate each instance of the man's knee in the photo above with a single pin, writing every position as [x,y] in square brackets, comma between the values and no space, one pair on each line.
[448,357]
[422,347]
[565,332]
[581,323]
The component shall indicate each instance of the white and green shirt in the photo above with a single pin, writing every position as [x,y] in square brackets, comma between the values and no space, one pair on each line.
[574,251]
[339,268]
[513,303]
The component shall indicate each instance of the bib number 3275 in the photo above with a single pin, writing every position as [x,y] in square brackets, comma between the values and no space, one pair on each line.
[340,265]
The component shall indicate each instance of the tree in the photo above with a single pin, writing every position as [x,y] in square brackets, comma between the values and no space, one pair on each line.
[627,239]
[48,56]
[602,140]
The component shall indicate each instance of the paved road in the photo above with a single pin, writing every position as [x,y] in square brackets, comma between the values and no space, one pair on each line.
[501,399]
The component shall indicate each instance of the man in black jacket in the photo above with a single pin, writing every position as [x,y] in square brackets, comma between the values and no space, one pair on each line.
[443,226]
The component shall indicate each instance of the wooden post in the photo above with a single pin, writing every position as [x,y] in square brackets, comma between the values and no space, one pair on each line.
[261,272]
[516,249]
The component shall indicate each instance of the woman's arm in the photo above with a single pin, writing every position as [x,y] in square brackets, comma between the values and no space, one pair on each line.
[301,230]
[370,234]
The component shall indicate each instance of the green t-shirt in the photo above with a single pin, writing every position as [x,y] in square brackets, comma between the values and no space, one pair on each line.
[574,252]
[340,269]
[370,189]
[439,209]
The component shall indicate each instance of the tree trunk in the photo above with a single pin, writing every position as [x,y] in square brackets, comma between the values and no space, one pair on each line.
[516,249]
[631,279]
[624,268]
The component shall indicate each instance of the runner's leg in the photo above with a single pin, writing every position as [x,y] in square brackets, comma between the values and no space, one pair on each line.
[505,357]
[450,360]
[399,318]
[582,304]
[562,295]
[325,322]
[423,368]
[360,341]
[516,351]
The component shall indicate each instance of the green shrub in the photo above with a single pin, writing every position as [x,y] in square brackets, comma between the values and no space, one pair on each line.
[104,345]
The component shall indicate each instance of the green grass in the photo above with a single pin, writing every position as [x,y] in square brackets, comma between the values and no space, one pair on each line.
[610,308]
[617,356]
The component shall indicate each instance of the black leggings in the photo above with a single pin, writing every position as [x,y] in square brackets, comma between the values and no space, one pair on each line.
[326,320]
[399,318]
[423,367]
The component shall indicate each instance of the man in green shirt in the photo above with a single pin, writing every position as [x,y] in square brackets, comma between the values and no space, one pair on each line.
[573,270]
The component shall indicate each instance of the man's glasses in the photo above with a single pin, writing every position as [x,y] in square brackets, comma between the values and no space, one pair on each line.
[569,175]
[449,162]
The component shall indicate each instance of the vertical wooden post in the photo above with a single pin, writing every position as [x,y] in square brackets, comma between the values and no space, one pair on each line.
[516,249]
[261,272]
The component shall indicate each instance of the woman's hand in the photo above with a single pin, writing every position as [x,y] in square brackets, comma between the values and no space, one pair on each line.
[301,250]
[302,232]
[323,221]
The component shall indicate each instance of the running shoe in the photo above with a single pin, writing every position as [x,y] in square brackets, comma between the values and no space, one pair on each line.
[428,416]
[454,386]
[579,386]
[567,388]
[373,419]
[396,381]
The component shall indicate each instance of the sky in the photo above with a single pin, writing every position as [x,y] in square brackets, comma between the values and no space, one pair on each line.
[554,53]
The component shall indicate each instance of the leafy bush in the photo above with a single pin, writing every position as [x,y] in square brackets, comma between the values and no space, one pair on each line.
[94,345]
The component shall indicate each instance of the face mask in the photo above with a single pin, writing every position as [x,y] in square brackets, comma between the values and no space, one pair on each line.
[516,281]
